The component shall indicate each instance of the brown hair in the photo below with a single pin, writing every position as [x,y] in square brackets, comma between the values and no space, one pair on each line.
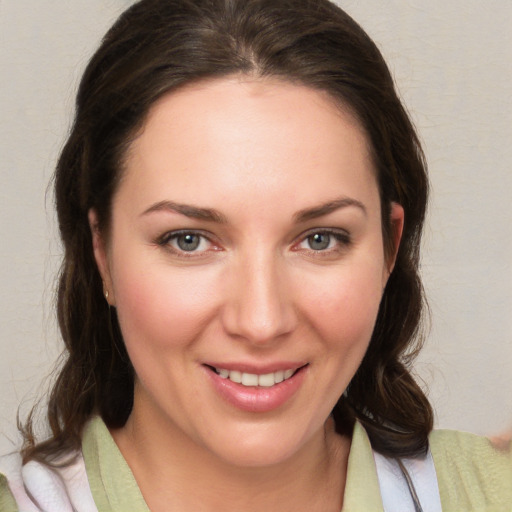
[157,46]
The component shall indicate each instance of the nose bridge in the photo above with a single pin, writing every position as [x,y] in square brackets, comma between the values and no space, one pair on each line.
[260,308]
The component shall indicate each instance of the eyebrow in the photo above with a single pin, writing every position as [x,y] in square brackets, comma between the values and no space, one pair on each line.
[212,215]
[326,208]
[194,212]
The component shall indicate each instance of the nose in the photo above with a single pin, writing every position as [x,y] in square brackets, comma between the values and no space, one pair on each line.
[260,307]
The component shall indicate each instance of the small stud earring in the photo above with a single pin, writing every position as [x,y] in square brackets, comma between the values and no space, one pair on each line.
[105,291]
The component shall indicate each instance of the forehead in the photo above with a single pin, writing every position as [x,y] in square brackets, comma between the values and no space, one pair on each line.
[243,137]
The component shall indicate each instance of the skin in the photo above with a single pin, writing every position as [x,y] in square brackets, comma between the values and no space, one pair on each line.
[255,290]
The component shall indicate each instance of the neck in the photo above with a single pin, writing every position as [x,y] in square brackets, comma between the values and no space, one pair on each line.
[174,472]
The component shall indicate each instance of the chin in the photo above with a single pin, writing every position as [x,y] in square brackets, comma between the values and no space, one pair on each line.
[260,446]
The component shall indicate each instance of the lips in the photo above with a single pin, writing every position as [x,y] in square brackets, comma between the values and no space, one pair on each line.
[256,389]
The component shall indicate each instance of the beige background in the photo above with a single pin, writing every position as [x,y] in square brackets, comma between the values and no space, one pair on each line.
[452,61]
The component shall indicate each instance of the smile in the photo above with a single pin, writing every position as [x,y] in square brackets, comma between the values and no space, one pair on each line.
[266,380]
[257,390]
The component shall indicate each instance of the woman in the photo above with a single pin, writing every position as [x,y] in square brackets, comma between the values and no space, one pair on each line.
[241,202]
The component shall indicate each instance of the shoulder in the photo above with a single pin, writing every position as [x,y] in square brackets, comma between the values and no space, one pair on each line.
[472,474]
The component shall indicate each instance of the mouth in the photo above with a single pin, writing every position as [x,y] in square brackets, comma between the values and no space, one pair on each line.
[266,380]
[256,389]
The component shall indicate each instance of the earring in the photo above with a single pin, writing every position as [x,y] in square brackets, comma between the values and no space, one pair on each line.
[105,291]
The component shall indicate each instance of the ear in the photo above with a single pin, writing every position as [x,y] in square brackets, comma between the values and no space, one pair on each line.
[99,247]
[397,219]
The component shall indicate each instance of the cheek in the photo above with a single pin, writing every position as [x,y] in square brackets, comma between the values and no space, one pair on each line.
[340,311]
[345,307]
[165,307]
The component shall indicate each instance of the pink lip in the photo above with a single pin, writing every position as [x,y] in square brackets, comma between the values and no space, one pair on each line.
[257,399]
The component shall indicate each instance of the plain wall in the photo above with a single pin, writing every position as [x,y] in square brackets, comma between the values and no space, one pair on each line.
[452,62]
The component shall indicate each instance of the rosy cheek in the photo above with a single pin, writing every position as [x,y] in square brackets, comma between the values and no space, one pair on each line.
[345,305]
[164,304]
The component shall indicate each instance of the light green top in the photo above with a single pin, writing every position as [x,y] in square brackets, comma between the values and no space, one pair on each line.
[114,488]
[472,475]
[7,503]
[113,485]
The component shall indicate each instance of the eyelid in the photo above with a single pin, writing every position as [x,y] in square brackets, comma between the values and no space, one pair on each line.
[165,239]
[341,235]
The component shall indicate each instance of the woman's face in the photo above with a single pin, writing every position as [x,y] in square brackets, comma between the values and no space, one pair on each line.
[245,260]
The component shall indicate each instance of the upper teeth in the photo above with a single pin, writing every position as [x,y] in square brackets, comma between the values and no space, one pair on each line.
[251,379]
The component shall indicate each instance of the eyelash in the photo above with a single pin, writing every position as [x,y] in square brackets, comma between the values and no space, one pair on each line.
[342,238]
[166,239]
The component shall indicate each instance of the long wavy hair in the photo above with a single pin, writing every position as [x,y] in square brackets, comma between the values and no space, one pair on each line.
[157,46]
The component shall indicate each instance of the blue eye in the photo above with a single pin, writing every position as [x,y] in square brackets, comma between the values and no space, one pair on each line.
[188,242]
[185,242]
[319,241]
[327,240]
